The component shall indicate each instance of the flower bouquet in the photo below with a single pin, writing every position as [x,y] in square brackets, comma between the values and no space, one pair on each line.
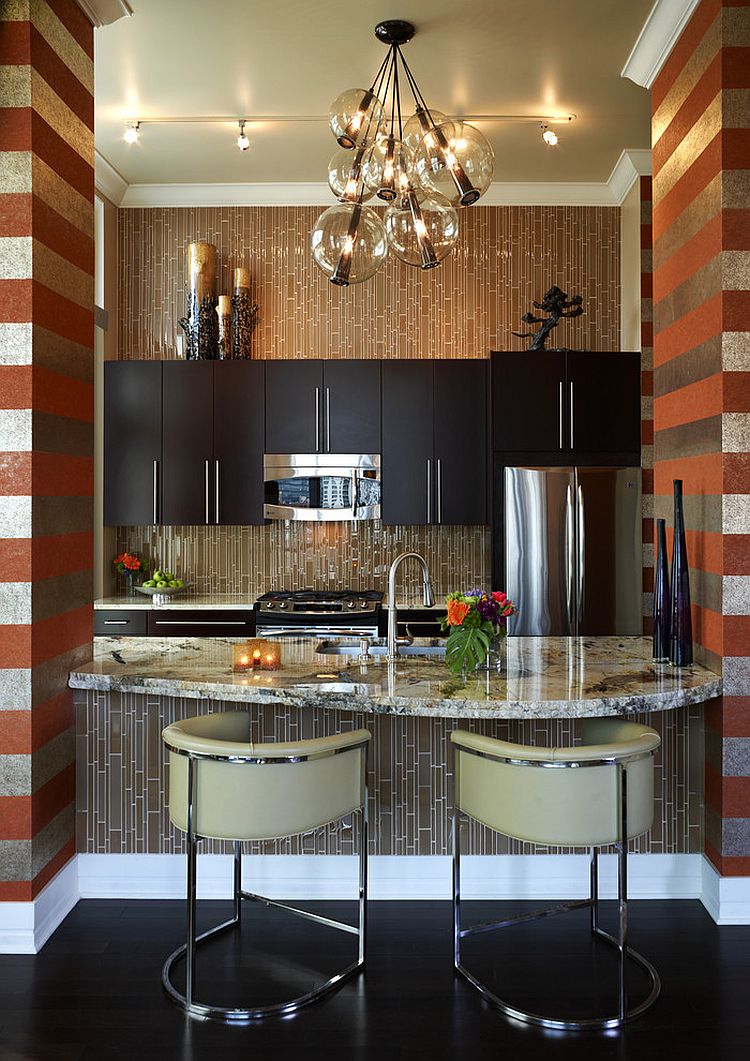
[130,565]
[475,619]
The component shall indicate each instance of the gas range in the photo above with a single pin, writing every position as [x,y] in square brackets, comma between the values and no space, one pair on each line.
[316,613]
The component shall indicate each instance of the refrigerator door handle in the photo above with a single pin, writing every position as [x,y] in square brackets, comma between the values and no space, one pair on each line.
[581,518]
[569,555]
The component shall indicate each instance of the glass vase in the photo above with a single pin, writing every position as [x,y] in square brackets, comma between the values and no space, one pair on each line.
[662,603]
[495,659]
[681,632]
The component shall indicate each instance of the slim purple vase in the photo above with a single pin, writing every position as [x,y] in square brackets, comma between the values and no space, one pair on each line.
[662,602]
[681,632]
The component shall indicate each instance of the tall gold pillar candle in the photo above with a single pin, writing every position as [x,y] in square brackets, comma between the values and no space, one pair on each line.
[224,335]
[243,314]
[200,325]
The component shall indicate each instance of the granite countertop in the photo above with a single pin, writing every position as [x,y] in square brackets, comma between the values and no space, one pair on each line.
[546,677]
[180,600]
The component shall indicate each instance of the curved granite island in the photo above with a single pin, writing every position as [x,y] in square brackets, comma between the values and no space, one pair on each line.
[136,686]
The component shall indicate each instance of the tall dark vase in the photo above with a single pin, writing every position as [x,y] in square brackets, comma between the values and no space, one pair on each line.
[681,633]
[662,601]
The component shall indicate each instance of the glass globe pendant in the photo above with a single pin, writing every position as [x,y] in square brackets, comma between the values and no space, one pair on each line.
[421,231]
[419,125]
[386,168]
[353,115]
[456,161]
[346,175]
[349,243]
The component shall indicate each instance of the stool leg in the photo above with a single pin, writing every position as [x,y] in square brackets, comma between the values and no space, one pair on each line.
[363,855]
[237,881]
[622,886]
[192,849]
[594,889]
[456,839]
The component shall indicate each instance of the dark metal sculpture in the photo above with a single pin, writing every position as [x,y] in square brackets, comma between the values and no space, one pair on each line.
[557,305]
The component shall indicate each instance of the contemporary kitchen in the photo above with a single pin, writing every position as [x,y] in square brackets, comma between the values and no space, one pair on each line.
[396,436]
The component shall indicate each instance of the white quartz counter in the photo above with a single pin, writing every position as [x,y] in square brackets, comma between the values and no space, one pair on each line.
[545,677]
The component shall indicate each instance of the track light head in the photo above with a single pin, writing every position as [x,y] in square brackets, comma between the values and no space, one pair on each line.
[549,136]
[130,136]
[242,141]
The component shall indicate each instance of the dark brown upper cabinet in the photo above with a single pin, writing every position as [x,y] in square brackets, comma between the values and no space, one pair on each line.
[566,404]
[316,406]
[184,442]
[434,442]
[132,442]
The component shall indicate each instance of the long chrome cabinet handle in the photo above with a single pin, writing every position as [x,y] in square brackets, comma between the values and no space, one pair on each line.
[217,489]
[572,414]
[439,488]
[200,622]
[328,419]
[156,491]
[206,474]
[317,419]
[581,514]
[569,556]
[117,622]
[429,490]
[560,415]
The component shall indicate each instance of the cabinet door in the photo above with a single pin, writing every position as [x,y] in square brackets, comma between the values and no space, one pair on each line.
[294,407]
[187,442]
[528,401]
[351,401]
[408,459]
[201,622]
[132,442]
[460,442]
[238,442]
[604,398]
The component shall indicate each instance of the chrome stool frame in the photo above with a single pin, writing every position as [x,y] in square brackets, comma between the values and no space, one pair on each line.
[188,950]
[620,942]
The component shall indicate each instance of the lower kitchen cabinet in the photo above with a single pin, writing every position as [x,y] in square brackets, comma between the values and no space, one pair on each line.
[203,622]
[120,622]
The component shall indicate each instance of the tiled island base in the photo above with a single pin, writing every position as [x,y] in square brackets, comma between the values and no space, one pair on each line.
[122,777]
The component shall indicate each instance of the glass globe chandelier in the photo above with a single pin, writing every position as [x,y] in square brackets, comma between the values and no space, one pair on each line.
[423,168]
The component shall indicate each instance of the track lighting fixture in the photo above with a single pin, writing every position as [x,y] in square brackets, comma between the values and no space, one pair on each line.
[549,136]
[130,136]
[242,141]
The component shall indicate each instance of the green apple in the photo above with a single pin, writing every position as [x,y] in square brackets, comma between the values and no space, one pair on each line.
[149,584]
[168,576]
[158,576]
[179,582]
[173,584]
[162,584]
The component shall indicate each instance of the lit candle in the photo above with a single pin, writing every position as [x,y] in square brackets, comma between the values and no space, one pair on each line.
[241,659]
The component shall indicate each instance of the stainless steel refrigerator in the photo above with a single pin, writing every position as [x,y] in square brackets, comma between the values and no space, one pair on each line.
[573,550]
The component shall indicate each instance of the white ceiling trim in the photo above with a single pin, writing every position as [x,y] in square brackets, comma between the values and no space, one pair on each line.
[656,40]
[109,181]
[630,165]
[104,12]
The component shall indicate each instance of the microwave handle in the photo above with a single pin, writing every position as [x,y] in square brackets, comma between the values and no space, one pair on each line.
[317,419]
[354,493]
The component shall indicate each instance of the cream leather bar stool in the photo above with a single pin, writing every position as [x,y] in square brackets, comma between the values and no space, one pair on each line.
[222,787]
[592,795]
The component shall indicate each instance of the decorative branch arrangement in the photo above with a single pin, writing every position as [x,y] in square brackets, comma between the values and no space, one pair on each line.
[556,304]
[216,328]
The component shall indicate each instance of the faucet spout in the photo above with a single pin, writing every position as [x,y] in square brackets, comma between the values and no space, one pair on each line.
[428,597]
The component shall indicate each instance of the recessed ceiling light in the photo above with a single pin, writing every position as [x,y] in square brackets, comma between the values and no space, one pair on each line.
[130,136]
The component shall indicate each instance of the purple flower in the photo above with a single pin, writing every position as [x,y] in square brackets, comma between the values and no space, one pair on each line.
[487,608]
[474,593]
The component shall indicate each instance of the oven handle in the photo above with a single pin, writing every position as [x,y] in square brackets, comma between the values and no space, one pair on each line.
[315,631]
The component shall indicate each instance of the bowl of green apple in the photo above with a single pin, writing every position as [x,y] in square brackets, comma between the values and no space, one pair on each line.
[162,584]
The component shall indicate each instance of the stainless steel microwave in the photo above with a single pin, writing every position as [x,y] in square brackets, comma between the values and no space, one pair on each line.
[322,486]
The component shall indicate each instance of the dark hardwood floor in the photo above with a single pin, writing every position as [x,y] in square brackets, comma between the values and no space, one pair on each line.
[94,992]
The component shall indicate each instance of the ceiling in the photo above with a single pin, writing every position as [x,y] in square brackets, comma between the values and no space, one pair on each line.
[292,57]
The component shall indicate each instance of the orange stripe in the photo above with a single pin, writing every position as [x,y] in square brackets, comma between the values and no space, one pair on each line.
[15,559]
[737,392]
[15,818]
[60,157]
[63,396]
[61,79]
[15,128]
[51,717]
[61,554]
[730,866]
[688,405]
[647,432]
[697,252]
[63,238]
[54,865]
[735,231]
[15,300]
[15,43]
[688,41]
[708,629]
[15,474]
[15,733]
[61,633]
[703,474]
[15,386]
[690,331]
[15,213]
[736,316]
[687,187]
[736,635]
[704,549]
[736,67]
[61,316]
[62,475]
[15,647]
[735,797]
[736,554]
[689,113]
[53,797]
[735,718]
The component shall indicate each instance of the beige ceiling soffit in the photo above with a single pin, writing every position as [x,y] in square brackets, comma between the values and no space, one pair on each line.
[108,181]
[633,163]
[659,35]
[105,12]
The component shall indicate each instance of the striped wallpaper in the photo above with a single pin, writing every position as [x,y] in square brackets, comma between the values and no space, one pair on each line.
[701,311]
[46,415]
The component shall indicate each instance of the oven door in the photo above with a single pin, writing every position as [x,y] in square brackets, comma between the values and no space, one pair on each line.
[321,486]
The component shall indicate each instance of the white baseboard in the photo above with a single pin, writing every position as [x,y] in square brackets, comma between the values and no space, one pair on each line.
[25,927]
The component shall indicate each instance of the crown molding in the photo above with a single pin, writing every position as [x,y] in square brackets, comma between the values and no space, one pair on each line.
[656,40]
[632,164]
[105,12]
[109,181]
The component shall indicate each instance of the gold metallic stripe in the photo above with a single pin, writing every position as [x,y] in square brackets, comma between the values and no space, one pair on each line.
[55,191]
[63,43]
[687,79]
[59,275]
[707,126]
[61,118]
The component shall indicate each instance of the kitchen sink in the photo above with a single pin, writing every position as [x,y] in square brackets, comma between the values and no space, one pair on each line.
[351,647]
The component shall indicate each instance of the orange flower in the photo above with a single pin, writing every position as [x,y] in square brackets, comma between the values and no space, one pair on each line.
[457,612]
